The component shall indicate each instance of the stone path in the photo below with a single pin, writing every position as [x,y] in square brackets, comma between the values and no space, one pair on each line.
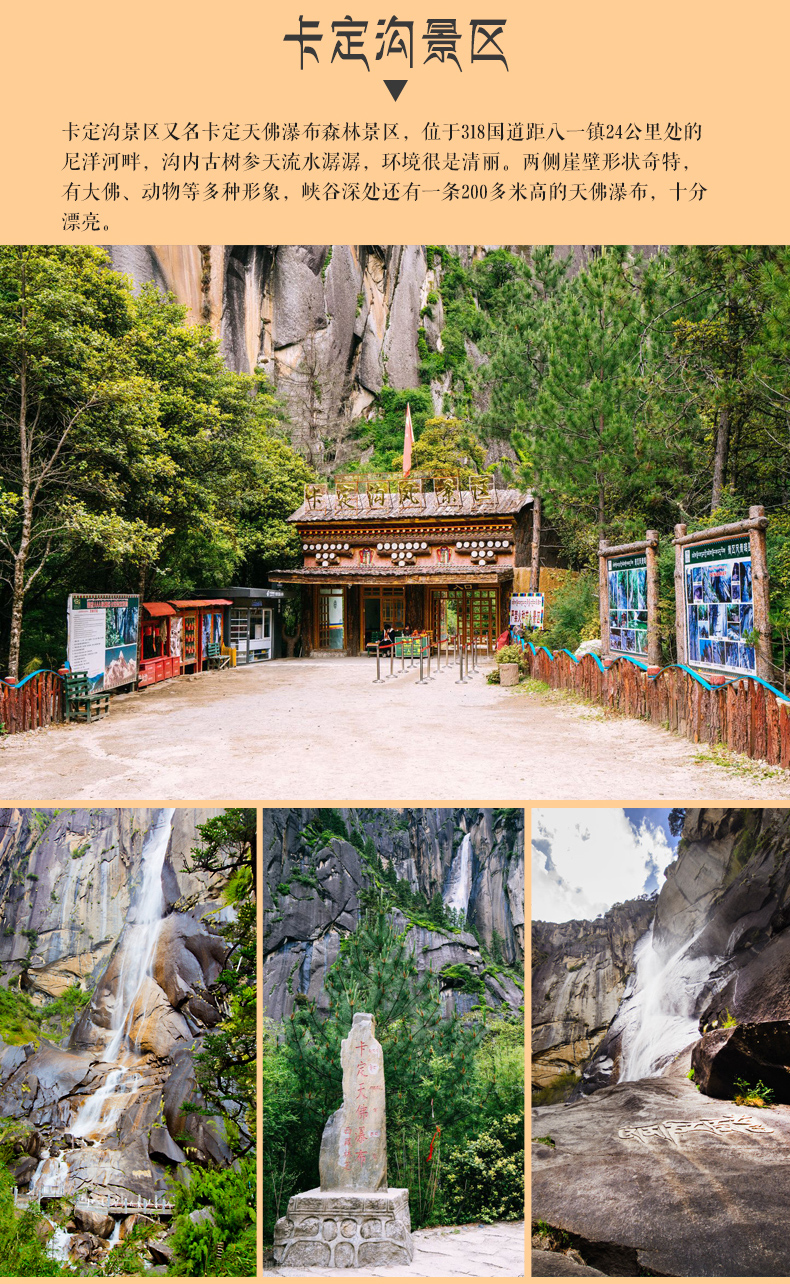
[474,1250]
[321,731]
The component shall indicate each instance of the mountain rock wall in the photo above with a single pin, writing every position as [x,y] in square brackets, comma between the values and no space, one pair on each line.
[311,896]
[580,973]
[329,324]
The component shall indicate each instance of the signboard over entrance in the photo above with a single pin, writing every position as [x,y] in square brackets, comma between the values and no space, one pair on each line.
[102,638]
[719,607]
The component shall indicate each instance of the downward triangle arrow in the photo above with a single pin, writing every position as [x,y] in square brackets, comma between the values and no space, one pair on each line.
[395,87]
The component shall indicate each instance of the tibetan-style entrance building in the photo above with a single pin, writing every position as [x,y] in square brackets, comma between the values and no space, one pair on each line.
[379,556]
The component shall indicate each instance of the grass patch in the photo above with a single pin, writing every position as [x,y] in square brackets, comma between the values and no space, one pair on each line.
[738,764]
[545,1141]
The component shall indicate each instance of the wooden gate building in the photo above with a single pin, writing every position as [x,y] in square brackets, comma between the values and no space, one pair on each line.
[441,562]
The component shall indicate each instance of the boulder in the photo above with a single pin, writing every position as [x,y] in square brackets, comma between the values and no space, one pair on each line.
[752,1052]
[154,1026]
[545,1263]
[93,1220]
[201,1215]
[679,1184]
[23,1170]
[162,1146]
[161,1252]
[188,958]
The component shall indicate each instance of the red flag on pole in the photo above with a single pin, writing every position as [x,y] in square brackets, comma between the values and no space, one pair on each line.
[408,442]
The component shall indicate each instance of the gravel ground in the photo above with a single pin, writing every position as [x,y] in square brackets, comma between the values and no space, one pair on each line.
[321,730]
[451,1250]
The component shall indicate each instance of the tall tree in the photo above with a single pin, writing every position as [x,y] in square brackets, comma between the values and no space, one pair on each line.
[67,380]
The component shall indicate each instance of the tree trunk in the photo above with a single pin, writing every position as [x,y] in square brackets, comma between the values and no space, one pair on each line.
[534,573]
[22,553]
[720,456]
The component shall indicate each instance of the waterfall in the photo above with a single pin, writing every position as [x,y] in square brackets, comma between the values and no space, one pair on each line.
[137,947]
[138,943]
[459,881]
[49,1178]
[658,1016]
[59,1245]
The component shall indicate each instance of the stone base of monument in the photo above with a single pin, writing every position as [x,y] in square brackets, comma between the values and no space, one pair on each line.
[336,1228]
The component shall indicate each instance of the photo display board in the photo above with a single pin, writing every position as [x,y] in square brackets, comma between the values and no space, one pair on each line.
[102,638]
[628,604]
[719,609]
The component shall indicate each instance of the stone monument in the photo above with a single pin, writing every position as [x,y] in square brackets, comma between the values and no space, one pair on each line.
[353,1218]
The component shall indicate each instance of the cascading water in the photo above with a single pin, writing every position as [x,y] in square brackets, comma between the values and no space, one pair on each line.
[136,955]
[138,943]
[658,1017]
[459,881]
[49,1178]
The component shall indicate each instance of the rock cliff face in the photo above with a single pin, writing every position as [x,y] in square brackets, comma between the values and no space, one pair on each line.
[311,893]
[99,899]
[580,972]
[330,324]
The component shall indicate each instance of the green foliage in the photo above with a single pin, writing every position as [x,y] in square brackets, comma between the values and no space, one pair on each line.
[225,1066]
[225,1245]
[385,432]
[730,1021]
[459,976]
[446,446]
[64,1009]
[171,470]
[573,616]
[484,1177]
[545,1141]
[21,1249]
[747,1094]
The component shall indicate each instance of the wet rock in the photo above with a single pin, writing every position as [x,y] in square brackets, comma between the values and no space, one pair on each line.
[751,1052]
[580,973]
[208,1143]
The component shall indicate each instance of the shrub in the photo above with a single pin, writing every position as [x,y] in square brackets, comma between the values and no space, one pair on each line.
[484,1178]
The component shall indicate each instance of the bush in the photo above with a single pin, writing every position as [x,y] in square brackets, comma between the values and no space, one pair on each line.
[573,615]
[226,1245]
[484,1179]
[513,654]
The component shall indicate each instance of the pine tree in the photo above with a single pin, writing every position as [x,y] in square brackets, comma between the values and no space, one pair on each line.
[582,423]
[428,1058]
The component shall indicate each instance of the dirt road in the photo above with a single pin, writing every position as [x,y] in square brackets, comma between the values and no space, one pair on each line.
[321,730]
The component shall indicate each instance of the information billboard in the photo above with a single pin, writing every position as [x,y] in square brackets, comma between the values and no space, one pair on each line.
[102,638]
[627,578]
[719,612]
